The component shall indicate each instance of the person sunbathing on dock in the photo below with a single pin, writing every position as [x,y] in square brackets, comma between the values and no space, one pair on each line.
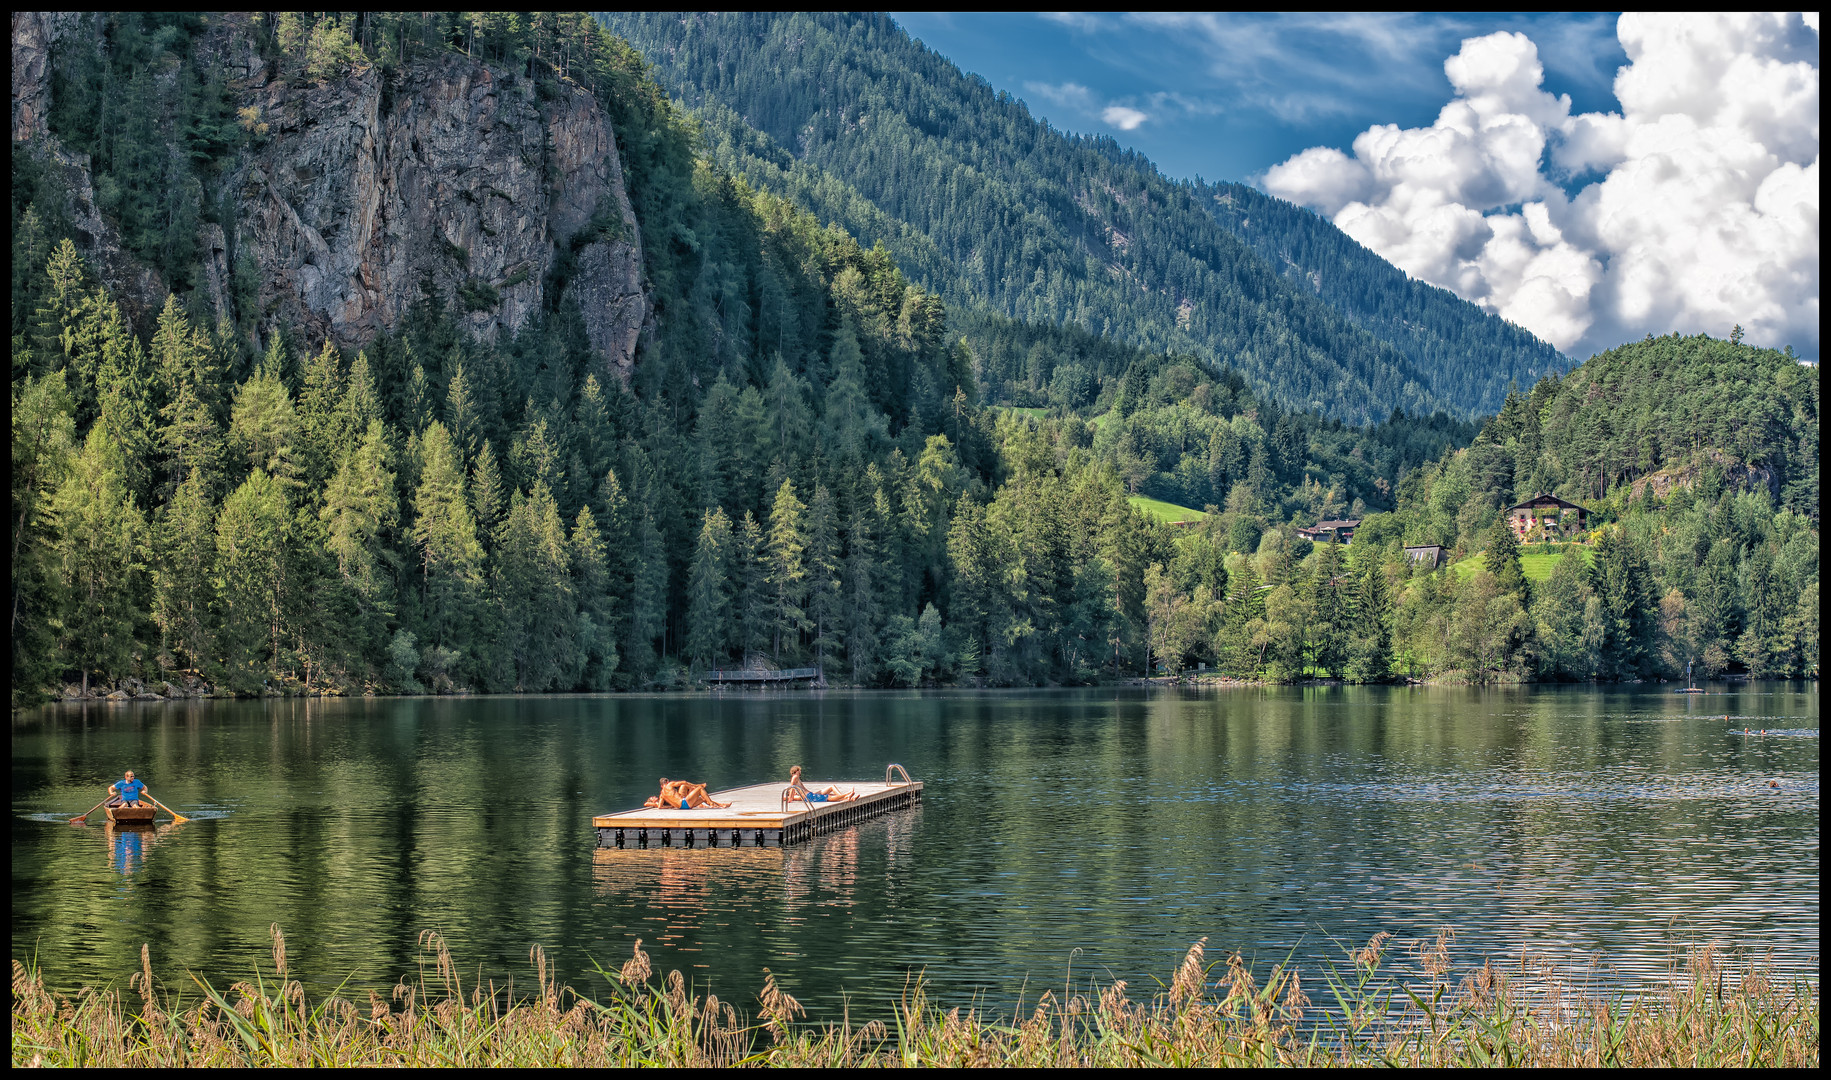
[682,795]
[827,794]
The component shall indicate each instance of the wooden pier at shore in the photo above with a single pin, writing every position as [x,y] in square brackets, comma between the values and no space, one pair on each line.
[760,815]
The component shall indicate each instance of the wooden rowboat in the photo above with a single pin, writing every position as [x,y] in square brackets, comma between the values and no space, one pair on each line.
[131,815]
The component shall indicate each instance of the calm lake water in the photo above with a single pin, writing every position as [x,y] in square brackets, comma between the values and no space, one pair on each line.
[1104,829]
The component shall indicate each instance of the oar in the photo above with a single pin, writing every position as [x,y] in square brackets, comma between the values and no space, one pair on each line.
[86,813]
[176,816]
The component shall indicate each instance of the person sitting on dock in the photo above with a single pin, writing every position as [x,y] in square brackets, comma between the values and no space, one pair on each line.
[827,794]
[682,795]
[126,792]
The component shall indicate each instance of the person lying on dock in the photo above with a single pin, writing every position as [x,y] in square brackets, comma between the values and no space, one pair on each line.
[827,794]
[126,792]
[682,795]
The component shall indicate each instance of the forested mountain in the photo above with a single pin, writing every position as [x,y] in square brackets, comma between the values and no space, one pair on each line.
[1697,461]
[1438,330]
[851,119]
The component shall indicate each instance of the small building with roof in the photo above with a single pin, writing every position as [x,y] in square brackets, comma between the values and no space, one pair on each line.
[1544,517]
[1428,556]
[1336,531]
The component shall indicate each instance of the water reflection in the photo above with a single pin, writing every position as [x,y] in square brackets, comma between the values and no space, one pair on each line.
[129,843]
[1121,824]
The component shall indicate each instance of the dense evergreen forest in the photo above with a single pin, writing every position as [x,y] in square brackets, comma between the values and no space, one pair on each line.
[811,461]
[854,121]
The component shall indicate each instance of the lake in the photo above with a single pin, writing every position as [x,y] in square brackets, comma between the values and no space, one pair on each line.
[1101,831]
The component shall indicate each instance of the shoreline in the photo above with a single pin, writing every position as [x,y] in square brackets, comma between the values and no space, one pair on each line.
[1198,681]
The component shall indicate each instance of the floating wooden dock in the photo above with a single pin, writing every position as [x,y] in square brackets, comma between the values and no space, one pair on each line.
[758,675]
[759,816]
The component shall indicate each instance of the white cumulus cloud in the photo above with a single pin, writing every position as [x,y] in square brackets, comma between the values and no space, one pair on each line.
[1694,208]
[1123,117]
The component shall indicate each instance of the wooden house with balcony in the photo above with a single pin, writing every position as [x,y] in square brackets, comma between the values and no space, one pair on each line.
[1547,517]
[1331,532]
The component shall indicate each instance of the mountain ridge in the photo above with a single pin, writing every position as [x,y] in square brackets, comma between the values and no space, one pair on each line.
[852,118]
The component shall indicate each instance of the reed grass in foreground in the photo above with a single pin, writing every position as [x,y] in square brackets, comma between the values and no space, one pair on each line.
[1704,1014]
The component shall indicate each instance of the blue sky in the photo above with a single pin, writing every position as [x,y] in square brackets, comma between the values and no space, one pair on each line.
[1227,96]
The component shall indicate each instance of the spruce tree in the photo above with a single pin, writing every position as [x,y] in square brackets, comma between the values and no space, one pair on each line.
[1503,559]
[787,570]
[101,533]
[596,636]
[709,590]
[184,550]
[826,605]
[253,531]
[450,559]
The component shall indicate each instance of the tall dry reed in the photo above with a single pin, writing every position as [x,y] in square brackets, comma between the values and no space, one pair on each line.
[1707,1011]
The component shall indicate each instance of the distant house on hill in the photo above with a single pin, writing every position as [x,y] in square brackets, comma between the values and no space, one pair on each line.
[1544,516]
[1428,556]
[1333,531]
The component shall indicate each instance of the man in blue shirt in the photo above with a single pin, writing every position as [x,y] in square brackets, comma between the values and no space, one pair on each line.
[127,792]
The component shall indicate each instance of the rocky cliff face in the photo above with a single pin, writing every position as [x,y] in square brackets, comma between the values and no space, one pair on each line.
[366,193]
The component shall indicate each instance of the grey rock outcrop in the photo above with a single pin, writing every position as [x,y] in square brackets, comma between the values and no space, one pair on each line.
[364,193]
[34,32]
[454,180]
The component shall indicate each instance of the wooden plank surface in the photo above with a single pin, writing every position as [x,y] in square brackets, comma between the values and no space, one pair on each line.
[758,806]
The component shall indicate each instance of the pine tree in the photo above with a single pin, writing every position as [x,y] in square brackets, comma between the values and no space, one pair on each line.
[591,586]
[751,557]
[445,534]
[359,506]
[124,388]
[101,533]
[43,434]
[323,431]
[826,601]
[486,495]
[648,606]
[253,531]
[1503,559]
[184,550]
[788,571]
[190,436]
[1370,637]
[859,589]
[461,417]
[709,598]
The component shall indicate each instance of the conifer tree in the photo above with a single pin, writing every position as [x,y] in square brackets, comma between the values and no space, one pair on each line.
[751,555]
[1503,559]
[325,436]
[190,436]
[787,570]
[184,550]
[461,416]
[709,590]
[860,595]
[596,635]
[43,434]
[486,495]
[253,531]
[1370,636]
[359,506]
[445,534]
[826,605]
[648,603]
[101,533]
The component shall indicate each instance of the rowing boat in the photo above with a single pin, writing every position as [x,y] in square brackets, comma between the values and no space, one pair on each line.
[131,815]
